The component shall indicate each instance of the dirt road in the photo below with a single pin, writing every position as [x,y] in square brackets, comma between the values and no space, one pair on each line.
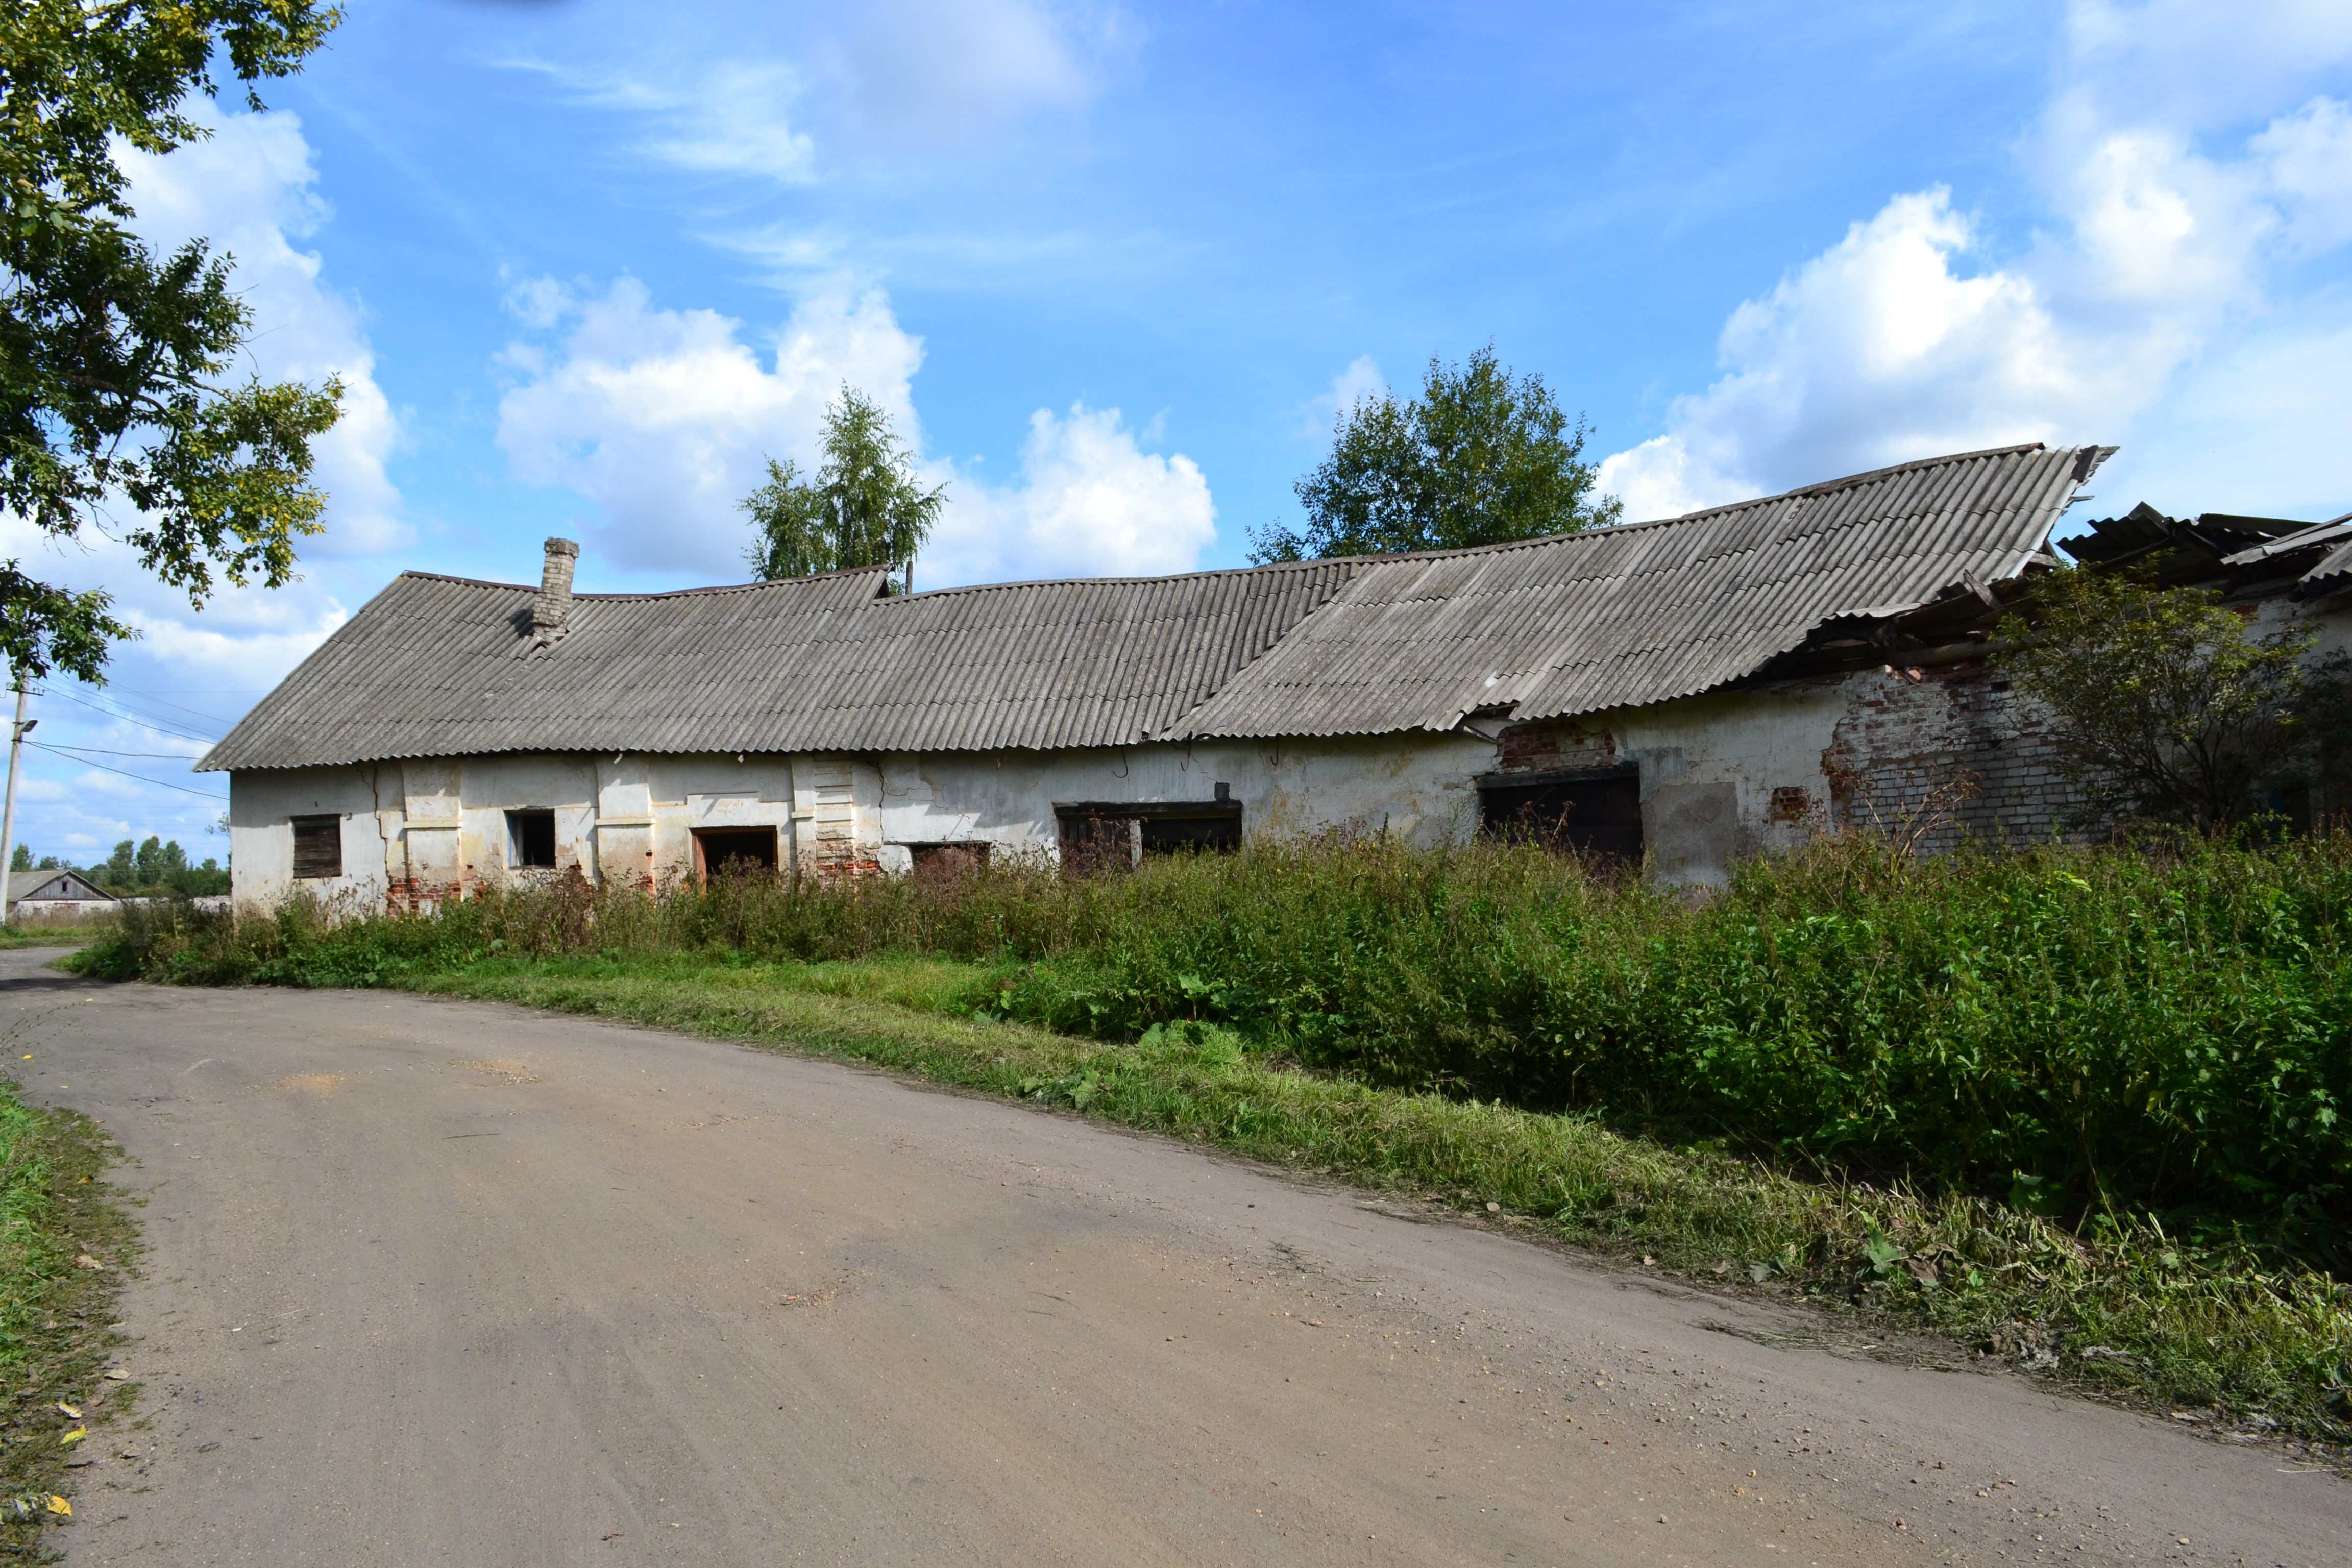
[431,1282]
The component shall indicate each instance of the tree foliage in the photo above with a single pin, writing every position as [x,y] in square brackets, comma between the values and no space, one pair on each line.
[2169,706]
[861,508]
[1483,457]
[157,866]
[115,361]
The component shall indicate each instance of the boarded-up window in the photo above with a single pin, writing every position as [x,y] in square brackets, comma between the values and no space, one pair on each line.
[530,839]
[1597,814]
[1104,835]
[733,851]
[317,847]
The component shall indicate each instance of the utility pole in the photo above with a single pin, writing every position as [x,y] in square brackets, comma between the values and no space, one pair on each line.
[9,813]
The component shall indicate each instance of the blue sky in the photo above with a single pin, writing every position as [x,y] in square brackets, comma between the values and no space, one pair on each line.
[1114,266]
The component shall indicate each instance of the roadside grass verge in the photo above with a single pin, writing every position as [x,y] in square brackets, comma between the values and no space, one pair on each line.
[2121,1307]
[12,938]
[56,1219]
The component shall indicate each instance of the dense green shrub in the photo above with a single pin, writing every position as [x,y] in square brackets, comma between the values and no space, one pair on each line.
[2164,1025]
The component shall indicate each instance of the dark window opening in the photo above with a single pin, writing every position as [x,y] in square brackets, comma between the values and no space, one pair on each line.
[1595,813]
[1097,836]
[949,862]
[732,851]
[317,847]
[530,839]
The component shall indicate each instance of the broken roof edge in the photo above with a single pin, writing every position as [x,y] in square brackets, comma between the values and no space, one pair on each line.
[2090,457]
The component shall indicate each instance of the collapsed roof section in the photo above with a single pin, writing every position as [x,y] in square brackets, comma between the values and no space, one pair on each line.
[442,667]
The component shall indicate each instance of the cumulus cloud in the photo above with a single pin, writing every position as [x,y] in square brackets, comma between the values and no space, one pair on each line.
[661,419]
[250,189]
[2183,189]
[1089,502]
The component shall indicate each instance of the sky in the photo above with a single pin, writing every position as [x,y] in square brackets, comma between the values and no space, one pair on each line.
[1114,267]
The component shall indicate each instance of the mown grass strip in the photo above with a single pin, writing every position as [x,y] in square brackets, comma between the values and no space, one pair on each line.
[2135,1313]
[65,1246]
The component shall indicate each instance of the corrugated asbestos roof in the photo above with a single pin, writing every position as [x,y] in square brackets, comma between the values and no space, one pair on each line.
[1622,617]
[2327,545]
[442,667]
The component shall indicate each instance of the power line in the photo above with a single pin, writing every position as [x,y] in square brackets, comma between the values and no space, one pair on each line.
[102,767]
[161,701]
[101,751]
[133,717]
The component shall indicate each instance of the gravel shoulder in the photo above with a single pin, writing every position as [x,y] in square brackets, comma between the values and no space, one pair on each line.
[450,1281]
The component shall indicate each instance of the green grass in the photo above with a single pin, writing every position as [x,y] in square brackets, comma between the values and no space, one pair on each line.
[15,937]
[54,1311]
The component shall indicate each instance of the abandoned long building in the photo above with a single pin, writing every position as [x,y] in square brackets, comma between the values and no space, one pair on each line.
[1691,690]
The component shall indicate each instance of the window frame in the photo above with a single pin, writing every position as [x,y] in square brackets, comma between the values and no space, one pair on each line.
[1088,830]
[316,824]
[1599,838]
[517,848]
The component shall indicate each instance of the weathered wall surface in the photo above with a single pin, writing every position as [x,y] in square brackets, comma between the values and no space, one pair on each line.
[419,832]
[1416,786]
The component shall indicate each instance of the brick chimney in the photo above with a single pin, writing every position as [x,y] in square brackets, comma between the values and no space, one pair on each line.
[551,612]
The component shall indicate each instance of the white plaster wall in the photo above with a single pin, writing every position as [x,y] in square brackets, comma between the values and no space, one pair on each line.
[1734,748]
[262,803]
[1417,786]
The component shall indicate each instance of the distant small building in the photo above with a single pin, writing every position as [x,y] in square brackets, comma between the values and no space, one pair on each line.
[38,897]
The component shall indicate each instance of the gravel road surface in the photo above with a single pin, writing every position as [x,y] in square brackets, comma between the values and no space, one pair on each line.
[432,1282]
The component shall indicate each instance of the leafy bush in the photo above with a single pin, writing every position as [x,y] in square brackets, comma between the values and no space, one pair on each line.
[2162,1026]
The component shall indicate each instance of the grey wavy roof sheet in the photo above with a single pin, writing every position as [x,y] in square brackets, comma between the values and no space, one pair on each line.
[1647,612]
[439,666]
[442,667]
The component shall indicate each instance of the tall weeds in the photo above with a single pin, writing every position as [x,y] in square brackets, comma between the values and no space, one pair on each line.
[2158,1028]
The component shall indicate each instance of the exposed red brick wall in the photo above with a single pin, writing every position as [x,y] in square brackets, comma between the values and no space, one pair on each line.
[1555,745]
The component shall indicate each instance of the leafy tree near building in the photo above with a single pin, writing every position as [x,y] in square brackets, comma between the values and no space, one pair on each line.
[116,393]
[2172,707]
[861,508]
[1483,457]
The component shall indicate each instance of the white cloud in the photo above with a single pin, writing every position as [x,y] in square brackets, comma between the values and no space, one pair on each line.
[250,190]
[254,656]
[1360,380]
[661,419]
[726,119]
[943,70]
[889,74]
[2169,263]
[1090,503]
